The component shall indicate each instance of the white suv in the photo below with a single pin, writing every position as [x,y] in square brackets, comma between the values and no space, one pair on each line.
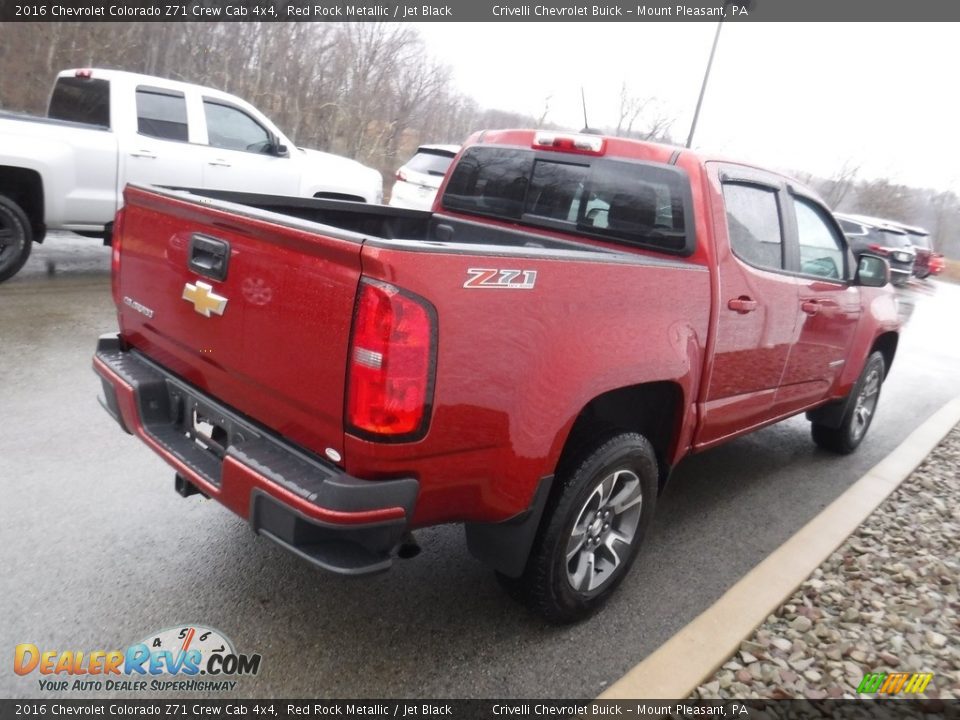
[418,180]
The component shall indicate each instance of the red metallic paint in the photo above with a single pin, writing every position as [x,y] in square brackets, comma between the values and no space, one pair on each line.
[514,368]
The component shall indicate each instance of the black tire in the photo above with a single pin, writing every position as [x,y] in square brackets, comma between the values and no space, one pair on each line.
[862,406]
[16,238]
[627,465]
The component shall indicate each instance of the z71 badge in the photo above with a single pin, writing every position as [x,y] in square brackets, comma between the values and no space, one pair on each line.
[501,279]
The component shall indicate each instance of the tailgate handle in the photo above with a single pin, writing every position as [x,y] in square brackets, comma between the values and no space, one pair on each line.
[209,256]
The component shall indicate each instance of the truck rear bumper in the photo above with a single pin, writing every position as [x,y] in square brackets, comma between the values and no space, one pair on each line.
[310,507]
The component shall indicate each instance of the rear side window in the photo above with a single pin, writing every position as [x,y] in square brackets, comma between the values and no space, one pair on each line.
[753,222]
[638,203]
[82,100]
[162,114]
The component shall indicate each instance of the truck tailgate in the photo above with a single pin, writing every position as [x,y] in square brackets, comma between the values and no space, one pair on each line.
[252,308]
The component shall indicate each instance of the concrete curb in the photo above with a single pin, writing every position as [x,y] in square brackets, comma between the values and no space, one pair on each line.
[676,668]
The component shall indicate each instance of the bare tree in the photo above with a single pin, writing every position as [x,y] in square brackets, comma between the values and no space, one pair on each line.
[630,108]
[880,198]
[838,186]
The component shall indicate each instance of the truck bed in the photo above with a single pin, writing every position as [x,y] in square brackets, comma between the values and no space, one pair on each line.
[412,229]
[43,120]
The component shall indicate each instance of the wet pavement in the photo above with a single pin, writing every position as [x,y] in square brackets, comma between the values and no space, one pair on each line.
[97,550]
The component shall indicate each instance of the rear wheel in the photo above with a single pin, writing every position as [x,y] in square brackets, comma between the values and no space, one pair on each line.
[856,420]
[592,535]
[16,238]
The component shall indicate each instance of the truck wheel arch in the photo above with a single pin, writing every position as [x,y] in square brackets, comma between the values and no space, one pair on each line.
[886,344]
[832,413]
[653,410]
[25,188]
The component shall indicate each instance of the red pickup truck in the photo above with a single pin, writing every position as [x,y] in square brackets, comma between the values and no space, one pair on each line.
[530,359]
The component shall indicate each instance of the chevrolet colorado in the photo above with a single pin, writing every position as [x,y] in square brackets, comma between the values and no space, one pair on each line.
[107,128]
[530,359]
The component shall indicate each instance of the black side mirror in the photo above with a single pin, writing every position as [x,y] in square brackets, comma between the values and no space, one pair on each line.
[872,271]
[276,148]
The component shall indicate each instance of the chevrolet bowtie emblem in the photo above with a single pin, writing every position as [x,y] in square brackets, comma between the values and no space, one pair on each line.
[204,300]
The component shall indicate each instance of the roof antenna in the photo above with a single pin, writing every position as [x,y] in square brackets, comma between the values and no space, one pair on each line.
[583,101]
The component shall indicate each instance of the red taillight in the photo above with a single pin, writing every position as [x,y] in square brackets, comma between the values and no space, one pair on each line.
[401,176]
[84,74]
[390,369]
[115,236]
[879,249]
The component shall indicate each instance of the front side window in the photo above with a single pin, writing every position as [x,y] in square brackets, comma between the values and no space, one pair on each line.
[232,129]
[821,252]
[753,223]
[162,114]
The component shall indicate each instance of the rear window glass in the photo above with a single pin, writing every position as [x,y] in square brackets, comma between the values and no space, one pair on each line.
[851,228]
[82,100]
[640,203]
[430,163]
[892,239]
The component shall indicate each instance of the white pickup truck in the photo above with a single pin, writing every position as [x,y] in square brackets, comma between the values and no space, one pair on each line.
[107,128]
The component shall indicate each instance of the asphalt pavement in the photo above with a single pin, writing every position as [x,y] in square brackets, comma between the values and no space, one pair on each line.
[97,551]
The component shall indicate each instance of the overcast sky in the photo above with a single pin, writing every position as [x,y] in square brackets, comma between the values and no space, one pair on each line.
[798,96]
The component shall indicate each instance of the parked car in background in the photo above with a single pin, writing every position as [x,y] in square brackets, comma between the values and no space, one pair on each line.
[928,262]
[105,128]
[884,237]
[418,180]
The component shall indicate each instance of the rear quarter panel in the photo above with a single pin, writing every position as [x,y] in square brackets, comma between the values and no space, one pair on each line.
[515,367]
[78,167]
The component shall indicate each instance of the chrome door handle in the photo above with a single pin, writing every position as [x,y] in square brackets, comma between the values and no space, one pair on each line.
[218,163]
[144,154]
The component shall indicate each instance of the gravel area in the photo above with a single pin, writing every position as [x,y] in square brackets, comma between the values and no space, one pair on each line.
[885,601]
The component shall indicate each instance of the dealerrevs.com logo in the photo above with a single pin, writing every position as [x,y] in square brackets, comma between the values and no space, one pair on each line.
[185,658]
